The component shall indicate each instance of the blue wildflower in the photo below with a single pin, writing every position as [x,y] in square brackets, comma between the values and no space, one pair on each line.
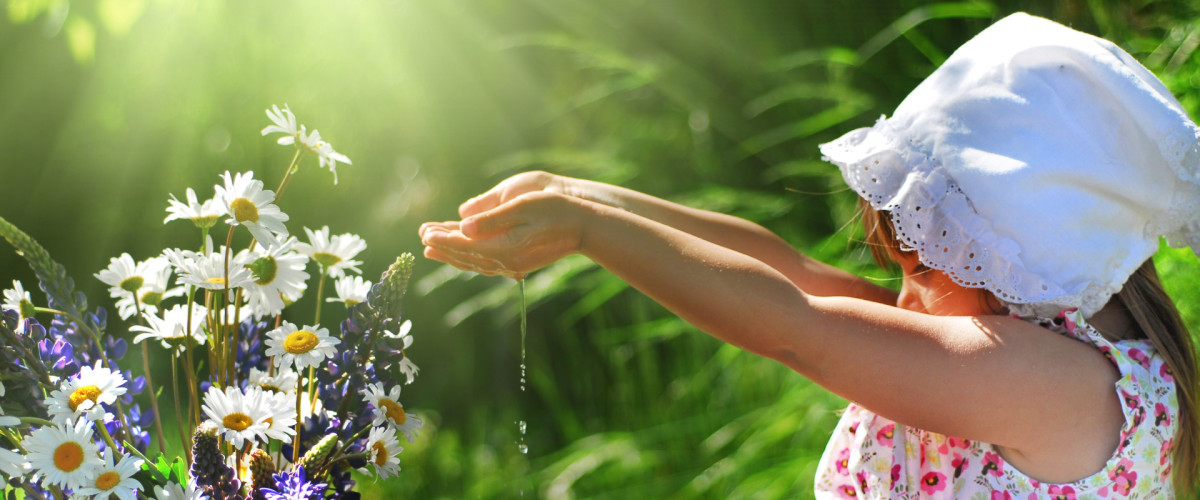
[294,486]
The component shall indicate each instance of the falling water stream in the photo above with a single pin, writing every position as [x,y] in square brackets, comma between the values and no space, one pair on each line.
[521,425]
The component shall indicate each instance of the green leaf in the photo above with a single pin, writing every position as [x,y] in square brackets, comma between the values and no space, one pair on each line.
[919,15]
[52,275]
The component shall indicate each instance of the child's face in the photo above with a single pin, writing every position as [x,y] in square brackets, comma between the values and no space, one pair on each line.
[931,291]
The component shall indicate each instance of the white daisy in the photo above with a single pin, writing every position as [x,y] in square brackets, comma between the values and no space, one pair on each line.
[114,478]
[6,421]
[284,122]
[172,327]
[174,491]
[279,278]
[335,253]
[203,215]
[145,282]
[326,156]
[248,204]
[284,381]
[17,299]
[85,394]
[13,464]
[63,455]
[384,451]
[351,290]
[387,409]
[305,347]
[207,270]
[123,275]
[240,418]
[280,409]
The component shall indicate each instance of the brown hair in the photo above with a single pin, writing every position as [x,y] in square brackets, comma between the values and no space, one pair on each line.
[1156,318]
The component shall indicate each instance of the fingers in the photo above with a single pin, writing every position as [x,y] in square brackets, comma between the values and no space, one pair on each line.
[490,223]
[506,190]
[469,261]
[437,226]
[481,203]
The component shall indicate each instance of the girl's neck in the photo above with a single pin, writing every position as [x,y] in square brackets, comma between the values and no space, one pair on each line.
[1115,323]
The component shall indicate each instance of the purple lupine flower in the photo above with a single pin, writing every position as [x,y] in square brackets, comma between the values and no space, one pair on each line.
[294,486]
[59,356]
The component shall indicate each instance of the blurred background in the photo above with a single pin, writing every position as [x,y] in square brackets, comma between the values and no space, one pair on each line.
[109,106]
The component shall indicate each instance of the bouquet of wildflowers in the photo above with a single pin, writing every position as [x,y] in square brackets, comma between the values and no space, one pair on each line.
[268,407]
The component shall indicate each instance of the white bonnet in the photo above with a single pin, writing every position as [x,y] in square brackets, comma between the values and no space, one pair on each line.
[1037,162]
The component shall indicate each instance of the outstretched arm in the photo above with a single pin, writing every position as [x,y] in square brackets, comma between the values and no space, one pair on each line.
[1044,397]
[734,233]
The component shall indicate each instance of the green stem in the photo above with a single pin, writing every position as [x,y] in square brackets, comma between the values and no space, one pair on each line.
[49,310]
[133,449]
[299,418]
[190,372]
[107,438]
[287,175]
[229,361]
[320,296]
[36,421]
[162,447]
[179,416]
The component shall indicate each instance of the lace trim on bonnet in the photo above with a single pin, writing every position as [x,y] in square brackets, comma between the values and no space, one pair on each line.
[932,216]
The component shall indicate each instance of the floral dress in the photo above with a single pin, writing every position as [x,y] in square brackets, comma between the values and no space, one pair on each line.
[872,457]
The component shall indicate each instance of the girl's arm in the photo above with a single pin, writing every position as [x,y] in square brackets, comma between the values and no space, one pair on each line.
[735,233]
[1046,400]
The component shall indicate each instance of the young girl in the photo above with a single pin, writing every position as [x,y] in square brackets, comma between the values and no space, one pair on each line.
[1031,352]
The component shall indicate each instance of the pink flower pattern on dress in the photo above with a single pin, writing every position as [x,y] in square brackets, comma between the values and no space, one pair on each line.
[1161,415]
[843,462]
[1061,492]
[992,464]
[885,435]
[933,482]
[1140,357]
[872,457]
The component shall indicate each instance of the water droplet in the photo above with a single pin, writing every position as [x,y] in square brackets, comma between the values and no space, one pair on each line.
[521,425]
[523,449]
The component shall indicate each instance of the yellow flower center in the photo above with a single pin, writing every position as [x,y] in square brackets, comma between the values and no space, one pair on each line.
[393,410]
[216,281]
[132,283]
[85,393]
[326,259]
[381,453]
[152,298]
[107,481]
[244,210]
[237,421]
[269,387]
[300,342]
[264,269]
[27,309]
[350,303]
[205,221]
[68,456]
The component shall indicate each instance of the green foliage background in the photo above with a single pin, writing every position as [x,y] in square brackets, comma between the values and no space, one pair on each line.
[107,106]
